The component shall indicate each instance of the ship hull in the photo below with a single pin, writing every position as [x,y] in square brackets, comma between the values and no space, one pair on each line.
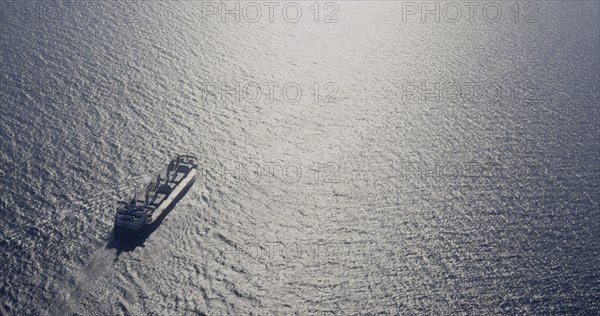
[123,229]
[148,228]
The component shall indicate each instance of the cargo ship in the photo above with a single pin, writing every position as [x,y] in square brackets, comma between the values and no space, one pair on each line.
[149,203]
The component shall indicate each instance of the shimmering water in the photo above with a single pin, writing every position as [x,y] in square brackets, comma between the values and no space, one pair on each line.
[356,159]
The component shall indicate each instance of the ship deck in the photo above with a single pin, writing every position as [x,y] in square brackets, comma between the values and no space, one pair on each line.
[165,187]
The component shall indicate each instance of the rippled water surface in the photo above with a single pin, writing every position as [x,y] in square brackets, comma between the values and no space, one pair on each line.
[359,160]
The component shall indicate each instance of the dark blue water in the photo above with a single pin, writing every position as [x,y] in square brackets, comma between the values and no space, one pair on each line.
[363,159]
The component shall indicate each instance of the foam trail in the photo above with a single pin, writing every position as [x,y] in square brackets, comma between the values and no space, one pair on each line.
[83,279]
[3,312]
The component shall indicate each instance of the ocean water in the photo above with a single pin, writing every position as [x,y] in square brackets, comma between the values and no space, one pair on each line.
[357,157]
